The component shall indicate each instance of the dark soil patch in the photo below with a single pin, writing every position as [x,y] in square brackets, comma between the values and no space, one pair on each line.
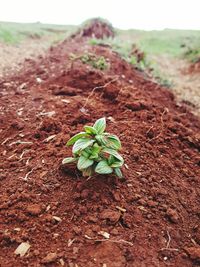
[152,217]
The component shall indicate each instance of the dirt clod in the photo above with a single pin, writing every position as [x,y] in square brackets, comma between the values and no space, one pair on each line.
[193,252]
[34,209]
[51,257]
[110,215]
[172,215]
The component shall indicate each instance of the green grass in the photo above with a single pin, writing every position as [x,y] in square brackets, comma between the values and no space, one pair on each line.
[162,42]
[192,53]
[172,43]
[13,33]
[168,42]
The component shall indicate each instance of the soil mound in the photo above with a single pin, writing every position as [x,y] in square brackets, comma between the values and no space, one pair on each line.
[55,217]
[97,28]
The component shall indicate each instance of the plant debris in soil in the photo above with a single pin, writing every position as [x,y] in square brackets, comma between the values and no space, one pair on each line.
[96,28]
[151,218]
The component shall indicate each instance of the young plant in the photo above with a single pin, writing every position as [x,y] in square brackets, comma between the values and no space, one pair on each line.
[94,150]
[95,61]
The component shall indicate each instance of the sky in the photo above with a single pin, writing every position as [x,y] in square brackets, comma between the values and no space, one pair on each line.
[126,14]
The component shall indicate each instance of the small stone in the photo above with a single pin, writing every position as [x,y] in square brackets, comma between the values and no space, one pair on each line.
[193,252]
[51,257]
[110,215]
[34,209]
[116,196]
[57,219]
[22,249]
[114,232]
[38,80]
[173,215]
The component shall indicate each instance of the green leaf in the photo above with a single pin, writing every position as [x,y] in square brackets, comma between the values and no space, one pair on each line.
[90,130]
[112,141]
[94,151]
[81,144]
[118,172]
[112,152]
[100,139]
[85,154]
[117,164]
[103,168]
[76,137]
[111,160]
[68,160]
[100,125]
[87,172]
[84,163]
[94,156]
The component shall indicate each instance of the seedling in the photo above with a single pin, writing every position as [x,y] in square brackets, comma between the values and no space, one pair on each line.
[95,61]
[95,151]
[90,59]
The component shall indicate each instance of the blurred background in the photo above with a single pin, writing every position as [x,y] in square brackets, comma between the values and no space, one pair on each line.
[161,38]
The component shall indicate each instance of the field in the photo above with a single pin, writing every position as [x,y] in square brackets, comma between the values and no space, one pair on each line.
[148,218]
[168,53]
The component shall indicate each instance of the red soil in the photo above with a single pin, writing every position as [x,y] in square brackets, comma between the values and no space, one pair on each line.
[195,67]
[160,195]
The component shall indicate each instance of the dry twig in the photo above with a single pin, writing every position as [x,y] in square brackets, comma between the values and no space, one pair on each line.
[114,241]
[109,240]
[162,125]
[168,244]
[20,142]
[28,173]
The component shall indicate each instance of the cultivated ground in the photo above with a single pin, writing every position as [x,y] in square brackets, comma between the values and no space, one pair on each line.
[151,218]
[164,52]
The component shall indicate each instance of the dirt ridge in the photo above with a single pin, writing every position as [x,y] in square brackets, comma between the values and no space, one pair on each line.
[62,215]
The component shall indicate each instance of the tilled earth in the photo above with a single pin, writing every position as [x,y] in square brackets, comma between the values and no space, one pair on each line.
[152,216]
